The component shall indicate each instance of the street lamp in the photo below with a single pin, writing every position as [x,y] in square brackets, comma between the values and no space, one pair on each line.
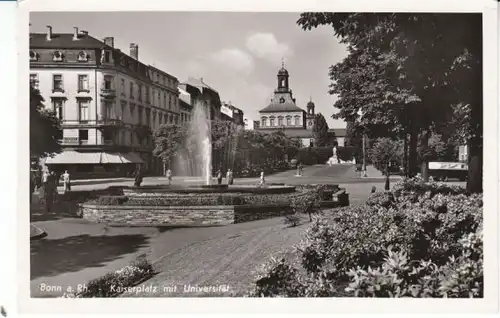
[360,113]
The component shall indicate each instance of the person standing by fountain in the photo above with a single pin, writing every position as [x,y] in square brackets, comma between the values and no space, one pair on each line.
[262,179]
[66,182]
[229,177]
[138,177]
[169,176]
[219,177]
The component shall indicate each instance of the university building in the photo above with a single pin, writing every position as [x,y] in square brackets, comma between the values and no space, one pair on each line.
[283,114]
[108,102]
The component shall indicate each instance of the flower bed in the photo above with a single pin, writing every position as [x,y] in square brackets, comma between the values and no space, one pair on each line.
[115,283]
[420,240]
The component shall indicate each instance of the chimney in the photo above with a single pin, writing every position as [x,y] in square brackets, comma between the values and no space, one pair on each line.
[49,33]
[134,51]
[109,41]
[75,34]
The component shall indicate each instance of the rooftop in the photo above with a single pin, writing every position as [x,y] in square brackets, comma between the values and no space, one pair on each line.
[65,41]
[284,107]
[198,83]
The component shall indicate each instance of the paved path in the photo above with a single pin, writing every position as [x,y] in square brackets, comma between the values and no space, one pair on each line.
[76,251]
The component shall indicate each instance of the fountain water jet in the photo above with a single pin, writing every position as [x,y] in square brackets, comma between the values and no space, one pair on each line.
[197,158]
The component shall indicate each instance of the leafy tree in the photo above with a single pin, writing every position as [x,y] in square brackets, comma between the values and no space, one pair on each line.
[406,81]
[320,131]
[168,140]
[354,140]
[382,153]
[44,128]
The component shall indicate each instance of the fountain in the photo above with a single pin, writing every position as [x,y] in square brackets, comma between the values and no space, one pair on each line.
[197,159]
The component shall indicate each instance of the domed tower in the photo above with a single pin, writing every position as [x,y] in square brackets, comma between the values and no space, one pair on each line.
[283,79]
[310,114]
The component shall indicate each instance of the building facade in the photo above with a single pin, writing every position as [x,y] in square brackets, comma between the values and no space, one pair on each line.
[108,102]
[232,113]
[185,106]
[284,114]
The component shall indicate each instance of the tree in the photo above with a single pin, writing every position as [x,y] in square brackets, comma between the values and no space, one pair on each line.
[406,81]
[320,131]
[168,140]
[44,128]
[382,153]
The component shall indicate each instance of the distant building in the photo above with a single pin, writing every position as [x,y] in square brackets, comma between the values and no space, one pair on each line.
[204,95]
[108,102]
[250,124]
[232,113]
[185,106]
[284,114]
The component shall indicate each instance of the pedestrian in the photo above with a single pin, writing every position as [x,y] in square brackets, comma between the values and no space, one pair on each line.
[262,179]
[66,182]
[230,178]
[300,169]
[138,177]
[48,195]
[55,183]
[219,177]
[169,176]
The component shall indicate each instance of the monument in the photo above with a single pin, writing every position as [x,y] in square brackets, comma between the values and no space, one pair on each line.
[333,159]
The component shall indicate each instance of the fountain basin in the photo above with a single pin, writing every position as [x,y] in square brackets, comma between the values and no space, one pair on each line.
[162,189]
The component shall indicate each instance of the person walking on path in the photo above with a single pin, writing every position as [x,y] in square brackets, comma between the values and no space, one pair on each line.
[219,177]
[138,177]
[169,176]
[66,182]
[300,169]
[229,177]
[262,179]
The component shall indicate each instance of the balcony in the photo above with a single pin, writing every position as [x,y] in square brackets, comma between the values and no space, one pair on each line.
[72,141]
[87,124]
[109,122]
[108,93]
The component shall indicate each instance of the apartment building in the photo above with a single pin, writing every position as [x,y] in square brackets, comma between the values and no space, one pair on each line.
[185,105]
[108,102]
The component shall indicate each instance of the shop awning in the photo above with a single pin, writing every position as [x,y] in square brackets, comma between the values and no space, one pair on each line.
[74,157]
[107,157]
[131,157]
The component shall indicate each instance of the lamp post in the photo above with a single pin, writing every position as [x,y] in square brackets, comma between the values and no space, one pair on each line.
[360,113]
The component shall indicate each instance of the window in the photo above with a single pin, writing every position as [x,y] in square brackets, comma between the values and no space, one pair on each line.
[158,78]
[131,90]
[282,83]
[159,99]
[58,56]
[83,136]
[122,113]
[169,101]
[139,92]
[122,92]
[34,81]
[264,121]
[271,121]
[83,110]
[33,56]
[83,83]
[280,121]
[148,116]
[140,115]
[154,119]
[288,120]
[108,82]
[131,138]
[107,56]
[132,111]
[82,57]
[165,100]
[108,110]
[297,121]
[58,107]
[147,95]
[57,83]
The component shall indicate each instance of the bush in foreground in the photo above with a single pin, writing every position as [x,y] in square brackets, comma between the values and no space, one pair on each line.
[112,284]
[421,240]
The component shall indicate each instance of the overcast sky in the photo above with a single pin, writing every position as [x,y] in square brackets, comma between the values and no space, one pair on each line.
[238,54]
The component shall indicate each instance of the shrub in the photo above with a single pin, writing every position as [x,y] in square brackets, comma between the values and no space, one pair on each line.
[111,200]
[421,240]
[292,219]
[277,278]
[116,282]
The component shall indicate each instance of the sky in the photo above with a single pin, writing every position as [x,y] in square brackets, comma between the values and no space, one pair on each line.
[237,54]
